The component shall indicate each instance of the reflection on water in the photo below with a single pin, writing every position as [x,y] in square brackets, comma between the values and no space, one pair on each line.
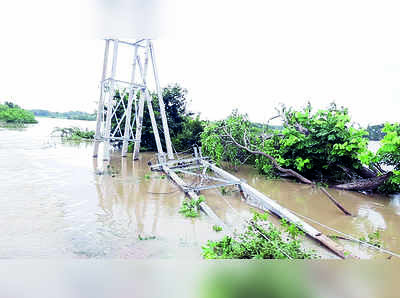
[55,201]
[395,203]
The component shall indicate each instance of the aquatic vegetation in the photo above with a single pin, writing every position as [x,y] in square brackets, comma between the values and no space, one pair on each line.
[373,239]
[146,237]
[225,191]
[74,133]
[191,207]
[12,113]
[217,228]
[260,240]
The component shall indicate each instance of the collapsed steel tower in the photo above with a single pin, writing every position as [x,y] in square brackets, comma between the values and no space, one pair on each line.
[142,57]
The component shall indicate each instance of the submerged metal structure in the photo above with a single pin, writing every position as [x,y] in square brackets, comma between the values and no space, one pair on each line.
[134,90]
[114,92]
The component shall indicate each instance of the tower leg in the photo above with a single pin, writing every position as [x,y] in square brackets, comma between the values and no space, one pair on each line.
[138,135]
[110,104]
[100,107]
[162,106]
[154,123]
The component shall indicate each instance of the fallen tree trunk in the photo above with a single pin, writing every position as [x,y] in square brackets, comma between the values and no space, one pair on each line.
[289,172]
[365,184]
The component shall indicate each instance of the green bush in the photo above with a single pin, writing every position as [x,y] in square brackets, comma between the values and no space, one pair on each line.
[12,113]
[191,207]
[323,145]
[74,133]
[260,240]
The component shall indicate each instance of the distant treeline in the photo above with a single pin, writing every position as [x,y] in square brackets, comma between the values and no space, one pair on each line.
[374,131]
[75,115]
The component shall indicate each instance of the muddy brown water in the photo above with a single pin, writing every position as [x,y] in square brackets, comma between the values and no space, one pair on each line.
[56,201]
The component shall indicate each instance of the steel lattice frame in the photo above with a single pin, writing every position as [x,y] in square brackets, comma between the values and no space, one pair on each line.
[143,58]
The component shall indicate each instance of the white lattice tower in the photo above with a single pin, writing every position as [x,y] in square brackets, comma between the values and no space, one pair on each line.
[143,58]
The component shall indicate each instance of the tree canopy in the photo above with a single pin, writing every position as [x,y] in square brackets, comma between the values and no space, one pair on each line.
[12,113]
[185,128]
[321,145]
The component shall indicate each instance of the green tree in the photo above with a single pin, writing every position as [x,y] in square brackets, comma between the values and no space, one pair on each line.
[323,146]
[185,130]
[12,113]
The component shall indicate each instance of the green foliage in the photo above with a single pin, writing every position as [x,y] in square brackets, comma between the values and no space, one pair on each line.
[261,240]
[146,237]
[212,139]
[185,130]
[191,207]
[217,228]
[74,133]
[225,191]
[389,152]
[75,115]
[12,113]
[387,155]
[312,143]
[373,239]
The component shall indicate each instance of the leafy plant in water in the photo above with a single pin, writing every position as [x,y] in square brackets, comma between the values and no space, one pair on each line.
[74,133]
[260,240]
[191,207]
[217,228]
[225,191]
[146,237]
[373,239]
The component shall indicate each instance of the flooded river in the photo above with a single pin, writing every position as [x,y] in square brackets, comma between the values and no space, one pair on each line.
[55,201]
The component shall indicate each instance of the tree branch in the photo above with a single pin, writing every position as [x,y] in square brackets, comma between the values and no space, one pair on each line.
[287,171]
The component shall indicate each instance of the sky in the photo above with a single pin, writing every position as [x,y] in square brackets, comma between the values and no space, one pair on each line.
[249,55]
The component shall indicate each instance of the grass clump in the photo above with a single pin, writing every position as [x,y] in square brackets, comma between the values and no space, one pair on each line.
[191,207]
[260,240]
[146,237]
[74,133]
[373,239]
[217,228]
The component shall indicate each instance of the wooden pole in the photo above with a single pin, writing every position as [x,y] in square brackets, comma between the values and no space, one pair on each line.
[100,107]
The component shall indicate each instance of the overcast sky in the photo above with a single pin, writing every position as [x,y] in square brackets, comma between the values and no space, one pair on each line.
[249,55]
